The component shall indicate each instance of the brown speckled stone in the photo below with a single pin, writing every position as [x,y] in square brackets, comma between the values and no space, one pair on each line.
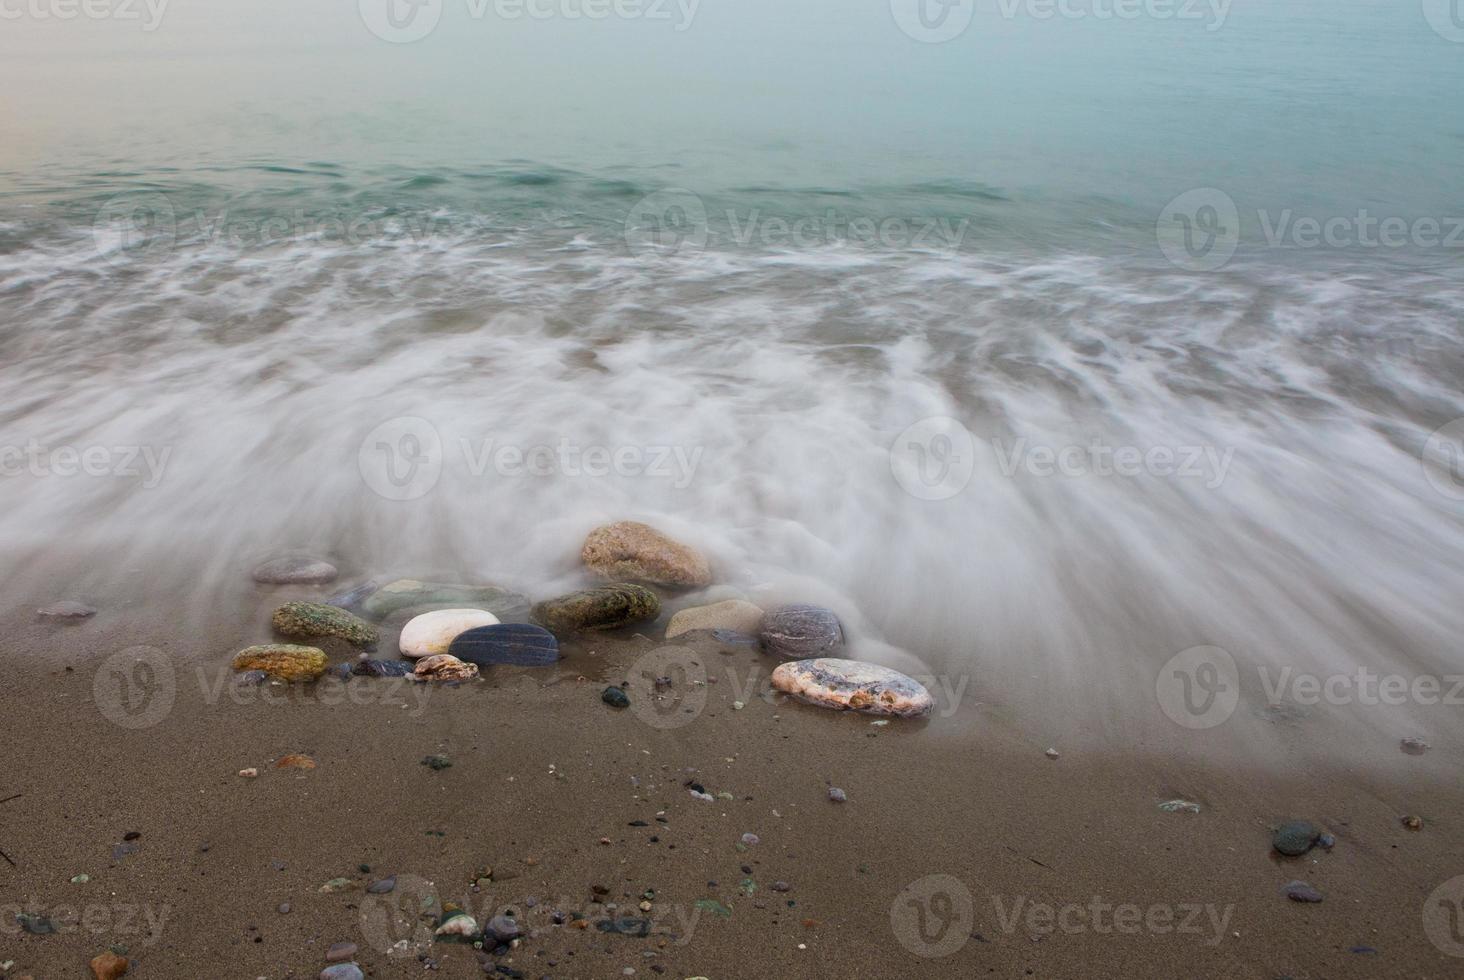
[852,685]
[629,551]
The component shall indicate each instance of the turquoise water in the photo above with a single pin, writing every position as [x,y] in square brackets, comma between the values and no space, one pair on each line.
[266,246]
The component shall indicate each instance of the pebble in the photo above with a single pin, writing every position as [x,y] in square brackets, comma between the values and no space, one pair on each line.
[67,609]
[1051,753]
[108,966]
[295,571]
[409,593]
[503,928]
[1179,806]
[1300,891]
[340,952]
[458,923]
[437,763]
[383,887]
[433,632]
[751,840]
[318,619]
[1295,837]
[634,552]
[512,644]
[781,886]
[1414,746]
[340,671]
[285,661]
[853,685]
[837,795]
[799,631]
[248,773]
[734,615]
[342,971]
[284,908]
[383,668]
[337,885]
[295,761]
[604,608]
[615,697]
[1413,823]
[445,667]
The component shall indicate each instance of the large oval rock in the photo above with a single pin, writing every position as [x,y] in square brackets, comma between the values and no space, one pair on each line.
[629,551]
[800,631]
[318,619]
[295,571]
[409,593]
[443,667]
[852,685]
[513,644]
[605,608]
[433,632]
[285,661]
[737,615]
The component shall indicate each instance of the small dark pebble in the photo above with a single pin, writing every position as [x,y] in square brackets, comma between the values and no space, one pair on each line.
[615,698]
[132,835]
[625,927]
[36,925]
[1300,891]
[502,929]
[284,908]
[121,851]
[382,887]
[1295,837]
[437,763]
[383,668]
[341,671]
[781,886]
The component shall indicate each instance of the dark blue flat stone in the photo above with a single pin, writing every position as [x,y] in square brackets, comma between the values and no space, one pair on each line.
[513,644]
[384,668]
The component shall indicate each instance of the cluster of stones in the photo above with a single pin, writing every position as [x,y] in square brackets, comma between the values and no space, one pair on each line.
[453,644]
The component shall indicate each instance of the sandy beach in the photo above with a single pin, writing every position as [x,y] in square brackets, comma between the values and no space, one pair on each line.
[962,849]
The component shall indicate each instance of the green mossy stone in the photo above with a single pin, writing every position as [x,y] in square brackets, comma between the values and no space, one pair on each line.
[318,619]
[605,608]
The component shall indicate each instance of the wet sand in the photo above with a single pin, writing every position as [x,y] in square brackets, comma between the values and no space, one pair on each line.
[962,850]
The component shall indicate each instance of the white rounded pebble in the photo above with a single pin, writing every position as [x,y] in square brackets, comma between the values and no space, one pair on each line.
[433,632]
